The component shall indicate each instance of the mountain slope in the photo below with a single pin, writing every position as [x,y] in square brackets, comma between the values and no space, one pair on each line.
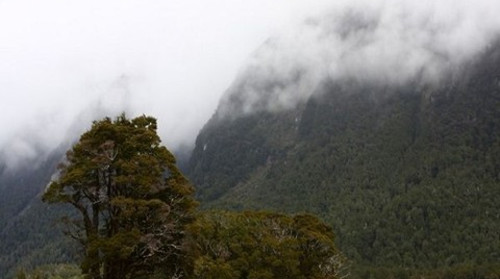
[408,175]
[28,232]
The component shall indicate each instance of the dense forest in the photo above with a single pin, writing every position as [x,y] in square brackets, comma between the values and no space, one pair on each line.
[29,231]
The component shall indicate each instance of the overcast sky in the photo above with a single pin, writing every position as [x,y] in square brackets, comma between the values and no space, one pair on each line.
[63,62]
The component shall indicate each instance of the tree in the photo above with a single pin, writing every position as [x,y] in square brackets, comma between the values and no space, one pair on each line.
[133,203]
[264,245]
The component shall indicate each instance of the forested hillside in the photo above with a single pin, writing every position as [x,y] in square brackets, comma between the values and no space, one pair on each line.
[408,175]
[29,232]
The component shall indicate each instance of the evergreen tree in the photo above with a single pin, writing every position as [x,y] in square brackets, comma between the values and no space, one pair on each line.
[264,245]
[133,203]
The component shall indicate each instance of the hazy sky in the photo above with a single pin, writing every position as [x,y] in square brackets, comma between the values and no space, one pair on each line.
[65,62]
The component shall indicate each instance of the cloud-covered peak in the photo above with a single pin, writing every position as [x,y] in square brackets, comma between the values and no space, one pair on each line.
[382,42]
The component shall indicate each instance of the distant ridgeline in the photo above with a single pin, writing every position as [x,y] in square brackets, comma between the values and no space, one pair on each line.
[408,175]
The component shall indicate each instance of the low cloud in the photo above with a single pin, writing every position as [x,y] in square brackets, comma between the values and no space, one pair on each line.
[388,42]
[66,63]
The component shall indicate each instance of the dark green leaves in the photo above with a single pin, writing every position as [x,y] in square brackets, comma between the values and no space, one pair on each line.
[132,200]
[264,245]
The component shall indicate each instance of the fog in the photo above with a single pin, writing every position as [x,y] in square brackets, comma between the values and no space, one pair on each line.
[371,42]
[65,63]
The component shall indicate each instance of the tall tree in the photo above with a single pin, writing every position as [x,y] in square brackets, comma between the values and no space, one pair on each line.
[132,201]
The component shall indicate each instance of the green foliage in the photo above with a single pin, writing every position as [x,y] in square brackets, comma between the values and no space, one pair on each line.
[21,274]
[132,201]
[28,235]
[463,271]
[264,245]
[60,271]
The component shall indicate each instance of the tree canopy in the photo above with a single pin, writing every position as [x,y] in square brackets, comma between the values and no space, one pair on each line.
[263,245]
[132,201]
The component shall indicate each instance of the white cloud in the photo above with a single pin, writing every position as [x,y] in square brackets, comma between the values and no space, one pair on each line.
[390,42]
[63,63]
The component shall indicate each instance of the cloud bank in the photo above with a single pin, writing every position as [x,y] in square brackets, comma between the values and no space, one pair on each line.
[384,42]
[65,63]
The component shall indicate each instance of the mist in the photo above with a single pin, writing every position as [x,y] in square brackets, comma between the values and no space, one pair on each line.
[370,42]
[66,63]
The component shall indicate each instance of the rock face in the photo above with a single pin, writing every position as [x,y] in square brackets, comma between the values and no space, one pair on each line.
[407,174]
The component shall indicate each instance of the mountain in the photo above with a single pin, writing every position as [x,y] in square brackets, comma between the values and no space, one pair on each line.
[28,231]
[407,174]
[401,157]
